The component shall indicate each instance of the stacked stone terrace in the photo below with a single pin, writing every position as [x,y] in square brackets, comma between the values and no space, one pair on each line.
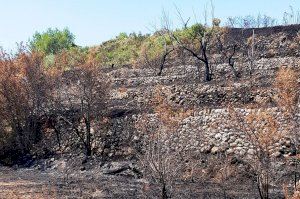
[132,90]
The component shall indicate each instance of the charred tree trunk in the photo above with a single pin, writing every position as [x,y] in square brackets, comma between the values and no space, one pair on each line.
[87,120]
[204,59]
[164,192]
[207,72]
[88,139]
[231,63]
[163,61]
[201,56]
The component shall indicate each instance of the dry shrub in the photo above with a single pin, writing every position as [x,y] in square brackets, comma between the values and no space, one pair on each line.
[265,130]
[169,115]
[90,88]
[123,90]
[293,47]
[225,172]
[25,92]
[147,58]
[295,195]
[297,38]
[160,162]
[260,127]
[262,132]
[286,82]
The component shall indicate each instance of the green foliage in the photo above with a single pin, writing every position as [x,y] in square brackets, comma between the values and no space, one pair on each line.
[49,60]
[154,46]
[195,31]
[125,49]
[52,41]
[67,59]
[122,35]
[128,49]
[122,50]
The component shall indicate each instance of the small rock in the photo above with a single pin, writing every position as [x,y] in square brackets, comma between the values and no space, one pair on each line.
[233,145]
[218,136]
[251,151]
[242,152]
[215,150]
[82,168]
[288,143]
[230,151]
[276,154]
[235,160]
[206,149]
[293,151]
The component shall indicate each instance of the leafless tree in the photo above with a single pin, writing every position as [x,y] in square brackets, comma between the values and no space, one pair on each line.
[250,21]
[84,91]
[251,52]
[164,57]
[160,162]
[203,40]
[227,47]
[291,17]
[161,57]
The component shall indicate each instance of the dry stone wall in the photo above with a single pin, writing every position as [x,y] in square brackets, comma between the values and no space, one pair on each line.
[211,131]
[207,130]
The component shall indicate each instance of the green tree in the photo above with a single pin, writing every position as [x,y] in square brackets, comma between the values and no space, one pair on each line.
[52,41]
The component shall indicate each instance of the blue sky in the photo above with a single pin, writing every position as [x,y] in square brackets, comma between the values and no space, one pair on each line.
[94,21]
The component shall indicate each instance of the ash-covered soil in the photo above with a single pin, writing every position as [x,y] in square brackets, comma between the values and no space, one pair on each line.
[27,183]
[33,183]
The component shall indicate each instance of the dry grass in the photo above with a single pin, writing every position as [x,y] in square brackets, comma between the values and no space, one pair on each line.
[295,195]
[22,189]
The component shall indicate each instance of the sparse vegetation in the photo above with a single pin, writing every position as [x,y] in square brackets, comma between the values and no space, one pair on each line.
[133,112]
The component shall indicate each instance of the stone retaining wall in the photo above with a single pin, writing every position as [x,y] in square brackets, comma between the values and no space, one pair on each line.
[208,130]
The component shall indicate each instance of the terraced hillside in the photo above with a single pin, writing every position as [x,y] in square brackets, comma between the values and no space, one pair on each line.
[206,134]
[133,91]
